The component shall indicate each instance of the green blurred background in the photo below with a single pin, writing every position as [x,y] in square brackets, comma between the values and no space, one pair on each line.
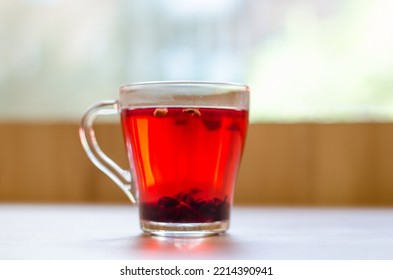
[305,60]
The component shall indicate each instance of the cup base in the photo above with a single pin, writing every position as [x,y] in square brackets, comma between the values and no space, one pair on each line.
[184,229]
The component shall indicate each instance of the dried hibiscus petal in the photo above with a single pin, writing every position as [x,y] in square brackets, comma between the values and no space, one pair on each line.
[212,124]
[168,201]
[185,207]
[192,112]
[160,112]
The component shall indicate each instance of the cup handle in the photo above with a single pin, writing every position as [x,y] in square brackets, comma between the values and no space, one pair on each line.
[121,177]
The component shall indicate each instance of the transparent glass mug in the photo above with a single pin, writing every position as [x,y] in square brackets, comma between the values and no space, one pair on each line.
[184,142]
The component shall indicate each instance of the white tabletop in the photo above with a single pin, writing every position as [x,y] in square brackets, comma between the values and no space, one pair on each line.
[112,232]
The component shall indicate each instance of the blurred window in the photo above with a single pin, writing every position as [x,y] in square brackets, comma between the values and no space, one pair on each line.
[305,60]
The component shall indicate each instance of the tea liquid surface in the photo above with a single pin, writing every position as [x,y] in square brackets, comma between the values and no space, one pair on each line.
[185,160]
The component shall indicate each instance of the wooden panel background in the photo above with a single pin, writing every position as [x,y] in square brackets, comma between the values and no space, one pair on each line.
[283,164]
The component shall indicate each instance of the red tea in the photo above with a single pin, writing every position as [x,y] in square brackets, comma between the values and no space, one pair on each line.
[185,161]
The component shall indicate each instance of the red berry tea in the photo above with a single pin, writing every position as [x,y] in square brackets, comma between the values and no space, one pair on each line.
[185,161]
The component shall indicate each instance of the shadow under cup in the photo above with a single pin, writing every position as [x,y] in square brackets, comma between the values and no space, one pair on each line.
[184,141]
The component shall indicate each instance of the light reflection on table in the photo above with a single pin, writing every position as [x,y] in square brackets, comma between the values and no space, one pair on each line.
[112,232]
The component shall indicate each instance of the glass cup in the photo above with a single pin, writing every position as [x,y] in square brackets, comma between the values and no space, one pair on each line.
[184,142]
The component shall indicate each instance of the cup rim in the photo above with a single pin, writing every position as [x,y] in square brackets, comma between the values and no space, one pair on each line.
[134,86]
